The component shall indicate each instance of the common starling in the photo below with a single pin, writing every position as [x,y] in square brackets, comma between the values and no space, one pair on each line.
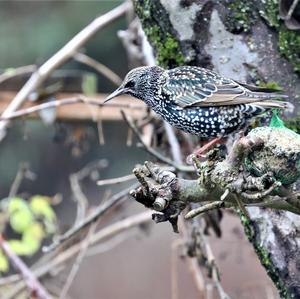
[197,100]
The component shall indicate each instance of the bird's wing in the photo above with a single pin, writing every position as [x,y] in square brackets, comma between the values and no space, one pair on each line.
[193,86]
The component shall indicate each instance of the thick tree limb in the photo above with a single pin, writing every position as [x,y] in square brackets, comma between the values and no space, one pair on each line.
[226,182]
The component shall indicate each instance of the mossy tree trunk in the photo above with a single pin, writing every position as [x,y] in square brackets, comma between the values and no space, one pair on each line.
[247,41]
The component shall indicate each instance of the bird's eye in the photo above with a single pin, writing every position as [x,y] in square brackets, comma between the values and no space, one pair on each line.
[129,84]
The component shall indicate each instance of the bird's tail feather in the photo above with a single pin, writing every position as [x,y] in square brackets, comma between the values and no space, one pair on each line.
[264,95]
[272,104]
[265,99]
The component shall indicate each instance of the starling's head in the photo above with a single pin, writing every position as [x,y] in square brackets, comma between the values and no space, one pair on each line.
[142,83]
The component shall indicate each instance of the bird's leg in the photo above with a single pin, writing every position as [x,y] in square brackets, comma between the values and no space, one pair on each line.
[199,152]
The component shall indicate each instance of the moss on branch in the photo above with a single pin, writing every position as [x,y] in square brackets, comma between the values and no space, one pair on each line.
[160,33]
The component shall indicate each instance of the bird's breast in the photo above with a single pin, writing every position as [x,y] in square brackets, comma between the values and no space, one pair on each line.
[204,121]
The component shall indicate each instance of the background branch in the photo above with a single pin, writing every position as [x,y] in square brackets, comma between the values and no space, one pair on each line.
[43,72]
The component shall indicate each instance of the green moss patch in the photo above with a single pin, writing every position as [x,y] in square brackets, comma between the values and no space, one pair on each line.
[241,17]
[288,40]
[160,33]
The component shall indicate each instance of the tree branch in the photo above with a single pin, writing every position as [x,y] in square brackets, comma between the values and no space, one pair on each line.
[37,290]
[231,183]
[64,54]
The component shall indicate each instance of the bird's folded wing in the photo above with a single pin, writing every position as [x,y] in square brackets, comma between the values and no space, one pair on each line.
[200,87]
[195,92]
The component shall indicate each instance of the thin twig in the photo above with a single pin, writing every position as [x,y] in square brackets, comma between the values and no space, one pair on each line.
[118,180]
[259,195]
[109,245]
[291,10]
[174,144]
[100,128]
[91,218]
[75,178]
[150,150]
[31,281]
[23,172]
[84,246]
[208,207]
[64,54]
[99,67]
[213,266]
[14,72]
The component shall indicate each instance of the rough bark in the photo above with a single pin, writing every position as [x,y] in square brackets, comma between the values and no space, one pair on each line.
[247,41]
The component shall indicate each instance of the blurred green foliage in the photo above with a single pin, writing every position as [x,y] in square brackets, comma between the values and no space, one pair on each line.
[32,219]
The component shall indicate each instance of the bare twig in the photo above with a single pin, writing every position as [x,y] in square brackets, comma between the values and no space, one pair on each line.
[31,281]
[64,54]
[291,9]
[26,69]
[210,206]
[91,218]
[213,267]
[174,144]
[75,178]
[99,67]
[118,180]
[179,167]
[84,246]
[100,127]
[23,172]
[261,195]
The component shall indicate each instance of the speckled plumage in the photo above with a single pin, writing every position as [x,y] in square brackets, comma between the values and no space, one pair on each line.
[197,100]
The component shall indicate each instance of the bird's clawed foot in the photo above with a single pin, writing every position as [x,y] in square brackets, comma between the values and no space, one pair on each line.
[200,153]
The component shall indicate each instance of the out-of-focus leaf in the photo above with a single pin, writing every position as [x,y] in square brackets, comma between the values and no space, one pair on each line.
[35,231]
[17,246]
[15,204]
[89,85]
[4,265]
[21,220]
[20,216]
[41,207]
[31,240]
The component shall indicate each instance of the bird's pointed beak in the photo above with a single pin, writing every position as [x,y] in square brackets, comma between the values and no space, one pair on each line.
[117,92]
